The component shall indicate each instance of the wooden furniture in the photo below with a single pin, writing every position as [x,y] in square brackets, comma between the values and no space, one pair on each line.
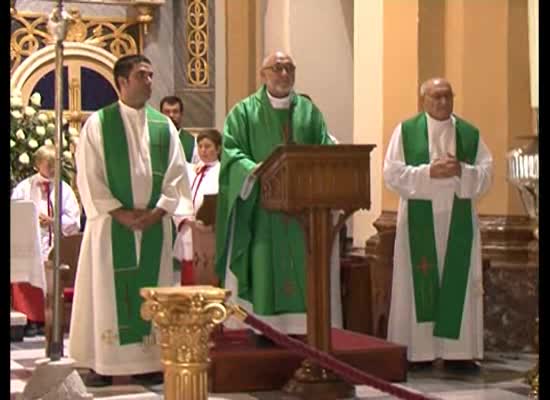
[308,182]
[264,366]
[357,290]
[68,258]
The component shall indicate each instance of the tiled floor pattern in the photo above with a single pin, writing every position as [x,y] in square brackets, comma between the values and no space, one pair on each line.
[501,378]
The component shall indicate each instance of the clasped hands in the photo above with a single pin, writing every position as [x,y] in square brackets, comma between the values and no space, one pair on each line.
[44,220]
[445,167]
[137,219]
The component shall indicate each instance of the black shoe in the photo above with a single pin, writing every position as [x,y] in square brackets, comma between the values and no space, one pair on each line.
[93,379]
[467,366]
[31,330]
[419,366]
[151,379]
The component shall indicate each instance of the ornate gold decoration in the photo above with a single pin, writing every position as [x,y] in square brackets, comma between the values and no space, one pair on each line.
[184,318]
[532,377]
[119,36]
[197,43]
[145,16]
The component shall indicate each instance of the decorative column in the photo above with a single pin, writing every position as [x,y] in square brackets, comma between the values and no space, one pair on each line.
[184,317]
[523,172]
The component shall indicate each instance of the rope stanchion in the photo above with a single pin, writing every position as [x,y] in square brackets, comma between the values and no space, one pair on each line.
[345,371]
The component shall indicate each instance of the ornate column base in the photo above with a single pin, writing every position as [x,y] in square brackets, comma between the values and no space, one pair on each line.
[184,318]
[533,381]
[186,381]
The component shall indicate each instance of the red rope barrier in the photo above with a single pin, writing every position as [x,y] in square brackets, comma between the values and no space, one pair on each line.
[345,371]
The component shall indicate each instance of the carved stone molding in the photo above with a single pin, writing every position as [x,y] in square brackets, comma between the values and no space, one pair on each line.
[503,237]
[510,277]
[117,36]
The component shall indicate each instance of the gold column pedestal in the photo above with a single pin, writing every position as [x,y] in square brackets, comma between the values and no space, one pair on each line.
[532,377]
[184,317]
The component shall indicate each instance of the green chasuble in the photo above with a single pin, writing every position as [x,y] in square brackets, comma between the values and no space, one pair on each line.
[267,252]
[187,140]
[129,275]
[439,301]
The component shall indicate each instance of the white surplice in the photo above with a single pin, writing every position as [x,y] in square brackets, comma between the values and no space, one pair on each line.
[93,341]
[414,182]
[31,189]
[201,184]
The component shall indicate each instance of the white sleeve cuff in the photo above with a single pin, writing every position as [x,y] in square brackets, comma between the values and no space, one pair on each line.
[167,204]
[247,186]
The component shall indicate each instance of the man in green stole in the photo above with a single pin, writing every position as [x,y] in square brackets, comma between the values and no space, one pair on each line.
[438,164]
[172,107]
[132,178]
[260,254]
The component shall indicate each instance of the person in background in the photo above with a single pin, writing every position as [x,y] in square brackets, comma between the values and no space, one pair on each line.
[204,181]
[172,107]
[40,189]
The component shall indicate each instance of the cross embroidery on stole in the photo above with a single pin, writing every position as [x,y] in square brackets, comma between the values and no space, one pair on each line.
[426,289]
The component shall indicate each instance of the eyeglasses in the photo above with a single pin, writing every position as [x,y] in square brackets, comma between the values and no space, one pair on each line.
[278,68]
[441,96]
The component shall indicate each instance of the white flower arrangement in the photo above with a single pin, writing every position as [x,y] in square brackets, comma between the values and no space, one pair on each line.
[31,128]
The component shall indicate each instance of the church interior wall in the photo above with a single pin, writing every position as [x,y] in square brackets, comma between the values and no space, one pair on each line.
[368,104]
[243,35]
[400,73]
[483,51]
[323,51]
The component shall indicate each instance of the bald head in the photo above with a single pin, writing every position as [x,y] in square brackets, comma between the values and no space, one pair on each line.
[278,73]
[277,57]
[437,98]
[430,83]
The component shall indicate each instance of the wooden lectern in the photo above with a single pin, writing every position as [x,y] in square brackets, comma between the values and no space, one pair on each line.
[308,182]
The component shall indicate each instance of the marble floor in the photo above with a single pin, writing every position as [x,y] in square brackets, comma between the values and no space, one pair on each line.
[500,378]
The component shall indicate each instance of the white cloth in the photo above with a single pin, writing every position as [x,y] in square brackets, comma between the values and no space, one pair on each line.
[26,260]
[31,189]
[93,342]
[278,102]
[183,245]
[414,182]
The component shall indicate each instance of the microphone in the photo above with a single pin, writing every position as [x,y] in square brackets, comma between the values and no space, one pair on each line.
[290,136]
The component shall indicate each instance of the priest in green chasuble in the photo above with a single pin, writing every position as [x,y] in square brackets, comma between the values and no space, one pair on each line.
[260,254]
[132,178]
[439,165]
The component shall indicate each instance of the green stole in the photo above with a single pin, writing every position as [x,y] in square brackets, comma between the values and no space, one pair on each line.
[129,276]
[442,304]
[188,142]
